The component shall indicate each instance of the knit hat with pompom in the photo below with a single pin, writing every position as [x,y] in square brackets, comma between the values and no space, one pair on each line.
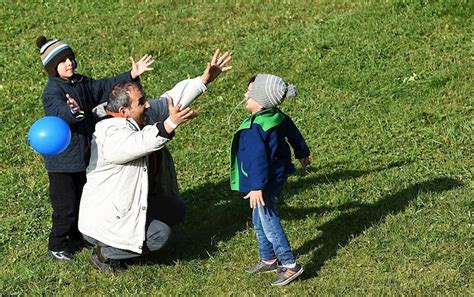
[53,52]
[270,90]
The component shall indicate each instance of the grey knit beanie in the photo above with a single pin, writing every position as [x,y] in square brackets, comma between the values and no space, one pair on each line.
[270,90]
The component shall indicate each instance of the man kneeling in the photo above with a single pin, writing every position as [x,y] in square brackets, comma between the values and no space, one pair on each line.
[114,214]
[131,197]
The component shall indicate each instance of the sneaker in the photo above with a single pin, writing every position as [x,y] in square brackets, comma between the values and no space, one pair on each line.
[60,255]
[263,267]
[286,275]
[106,265]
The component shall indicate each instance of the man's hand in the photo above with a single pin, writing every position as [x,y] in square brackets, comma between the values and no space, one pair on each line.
[141,66]
[216,66]
[305,162]
[256,198]
[176,116]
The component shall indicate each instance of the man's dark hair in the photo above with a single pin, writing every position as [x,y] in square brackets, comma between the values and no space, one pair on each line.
[120,97]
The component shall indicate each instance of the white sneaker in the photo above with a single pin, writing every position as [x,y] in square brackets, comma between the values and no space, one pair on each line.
[61,255]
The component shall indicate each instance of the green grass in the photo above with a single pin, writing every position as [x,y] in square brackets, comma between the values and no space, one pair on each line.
[386,105]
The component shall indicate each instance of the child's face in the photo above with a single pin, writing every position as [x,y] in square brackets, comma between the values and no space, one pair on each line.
[66,68]
[251,104]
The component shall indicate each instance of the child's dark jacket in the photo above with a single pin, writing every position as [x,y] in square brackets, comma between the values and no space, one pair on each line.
[88,93]
[260,155]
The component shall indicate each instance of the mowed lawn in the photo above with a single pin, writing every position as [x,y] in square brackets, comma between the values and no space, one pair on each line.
[385,103]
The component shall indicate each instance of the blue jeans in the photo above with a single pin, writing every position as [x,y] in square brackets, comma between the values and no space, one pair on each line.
[271,238]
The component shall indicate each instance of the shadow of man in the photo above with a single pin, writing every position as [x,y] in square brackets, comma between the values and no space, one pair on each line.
[215,214]
[338,232]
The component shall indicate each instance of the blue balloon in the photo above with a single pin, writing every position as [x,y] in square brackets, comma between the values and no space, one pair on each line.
[49,136]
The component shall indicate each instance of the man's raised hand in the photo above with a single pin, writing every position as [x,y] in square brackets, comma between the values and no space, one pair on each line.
[177,117]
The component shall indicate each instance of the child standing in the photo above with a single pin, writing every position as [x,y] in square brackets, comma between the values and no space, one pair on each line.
[71,97]
[260,164]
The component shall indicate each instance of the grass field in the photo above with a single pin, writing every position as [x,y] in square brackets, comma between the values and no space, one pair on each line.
[386,105]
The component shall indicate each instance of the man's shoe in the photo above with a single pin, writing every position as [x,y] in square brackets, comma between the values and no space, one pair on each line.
[60,255]
[106,265]
[87,245]
[81,244]
[84,244]
[263,267]
[286,275]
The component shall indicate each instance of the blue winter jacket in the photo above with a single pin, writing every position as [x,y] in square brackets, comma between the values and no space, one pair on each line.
[260,155]
[88,93]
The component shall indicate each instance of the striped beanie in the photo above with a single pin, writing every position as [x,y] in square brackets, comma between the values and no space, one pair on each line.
[270,90]
[52,52]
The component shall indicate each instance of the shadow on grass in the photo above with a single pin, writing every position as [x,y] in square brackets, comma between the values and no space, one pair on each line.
[338,232]
[215,214]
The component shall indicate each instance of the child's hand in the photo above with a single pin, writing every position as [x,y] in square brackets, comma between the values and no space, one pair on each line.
[256,198]
[177,117]
[305,162]
[141,66]
[75,108]
[216,66]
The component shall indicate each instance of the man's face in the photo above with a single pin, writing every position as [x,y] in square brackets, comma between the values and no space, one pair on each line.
[66,68]
[138,106]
